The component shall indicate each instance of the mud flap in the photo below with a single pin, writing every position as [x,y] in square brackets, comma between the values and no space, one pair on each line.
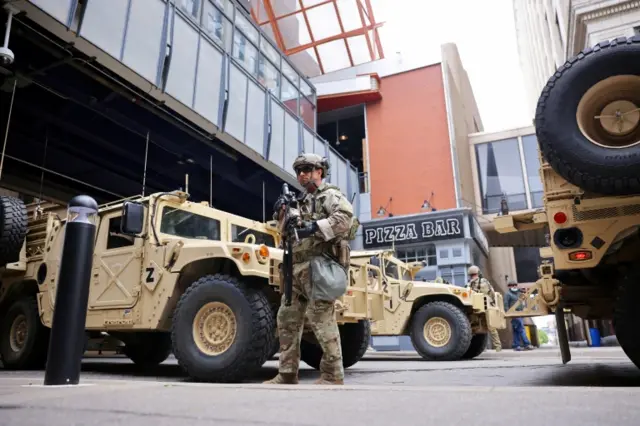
[563,338]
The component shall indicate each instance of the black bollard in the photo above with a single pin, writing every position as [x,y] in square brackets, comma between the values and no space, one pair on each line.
[72,296]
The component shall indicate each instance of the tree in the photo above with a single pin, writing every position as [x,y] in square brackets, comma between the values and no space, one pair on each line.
[542,337]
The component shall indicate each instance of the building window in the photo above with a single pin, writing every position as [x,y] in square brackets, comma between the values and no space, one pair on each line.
[424,254]
[217,26]
[190,7]
[500,175]
[269,76]
[532,164]
[245,52]
[527,262]
[454,274]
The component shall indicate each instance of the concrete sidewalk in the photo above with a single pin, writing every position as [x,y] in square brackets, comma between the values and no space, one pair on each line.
[109,402]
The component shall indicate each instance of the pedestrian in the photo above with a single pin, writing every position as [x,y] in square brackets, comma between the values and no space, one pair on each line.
[517,325]
[482,285]
[325,224]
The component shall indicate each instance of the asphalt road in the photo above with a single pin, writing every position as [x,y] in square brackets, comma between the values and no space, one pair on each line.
[599,386]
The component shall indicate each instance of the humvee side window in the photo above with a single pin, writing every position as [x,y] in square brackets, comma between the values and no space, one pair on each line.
[115,239]
[182,223]
[239,234]
[406,274]
[391,270]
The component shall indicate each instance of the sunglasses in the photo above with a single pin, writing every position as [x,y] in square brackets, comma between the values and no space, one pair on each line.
[304,169]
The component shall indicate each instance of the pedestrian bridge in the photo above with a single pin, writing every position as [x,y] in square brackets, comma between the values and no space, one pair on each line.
[210,67]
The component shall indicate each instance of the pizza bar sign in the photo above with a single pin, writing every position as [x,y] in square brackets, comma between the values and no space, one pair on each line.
[413,232]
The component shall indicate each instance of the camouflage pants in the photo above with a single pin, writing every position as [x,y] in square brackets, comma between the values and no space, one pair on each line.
[322,319]
[495,339]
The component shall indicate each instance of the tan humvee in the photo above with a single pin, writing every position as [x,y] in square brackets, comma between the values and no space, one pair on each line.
[192,281]
[445,322]
[588,129]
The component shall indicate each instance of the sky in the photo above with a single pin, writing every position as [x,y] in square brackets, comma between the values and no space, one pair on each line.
[484,32]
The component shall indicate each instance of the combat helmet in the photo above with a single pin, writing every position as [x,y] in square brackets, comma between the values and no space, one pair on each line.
[473,270]
[314,160]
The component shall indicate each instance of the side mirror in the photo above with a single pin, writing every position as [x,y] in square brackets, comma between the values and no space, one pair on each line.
[132,222]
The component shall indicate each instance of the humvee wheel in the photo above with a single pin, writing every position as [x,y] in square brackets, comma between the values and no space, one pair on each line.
[24,340]
[587,119]
[222,329]
[625,315]
[477,346]
[147,349]
[214,328]
[440,331]
[437,332]
[354,341]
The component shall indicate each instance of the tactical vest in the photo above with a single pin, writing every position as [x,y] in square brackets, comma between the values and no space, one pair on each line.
[311,209]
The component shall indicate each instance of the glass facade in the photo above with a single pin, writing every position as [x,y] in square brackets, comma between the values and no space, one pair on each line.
[212,57]
[509,168]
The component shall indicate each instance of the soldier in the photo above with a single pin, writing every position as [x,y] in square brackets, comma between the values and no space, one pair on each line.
[482,285]
[326,221]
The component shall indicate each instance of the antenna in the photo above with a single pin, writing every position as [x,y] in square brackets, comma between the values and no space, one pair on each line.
[210,180]
[186,183]
[144,174]
[264,207]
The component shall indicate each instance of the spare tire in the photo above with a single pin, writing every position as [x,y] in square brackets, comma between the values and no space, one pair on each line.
[588,118]
[13,228]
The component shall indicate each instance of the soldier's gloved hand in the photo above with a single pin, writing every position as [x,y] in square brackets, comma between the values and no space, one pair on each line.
[293,222]
[279,203]
[307,229]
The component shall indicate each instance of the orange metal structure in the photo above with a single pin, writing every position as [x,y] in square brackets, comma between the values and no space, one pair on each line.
[318,26]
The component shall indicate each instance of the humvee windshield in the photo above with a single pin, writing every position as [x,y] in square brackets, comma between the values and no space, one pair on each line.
[185,224]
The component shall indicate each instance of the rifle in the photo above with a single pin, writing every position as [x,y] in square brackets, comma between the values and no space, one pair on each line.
[288,231]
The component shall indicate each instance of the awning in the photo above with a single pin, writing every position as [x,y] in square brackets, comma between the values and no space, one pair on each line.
[348,92]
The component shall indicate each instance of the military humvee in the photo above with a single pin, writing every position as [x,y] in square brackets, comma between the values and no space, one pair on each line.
[445,322]
[588,129]
[194,282]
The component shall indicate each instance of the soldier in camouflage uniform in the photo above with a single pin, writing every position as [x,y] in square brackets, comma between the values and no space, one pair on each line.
[482,285]
[326,220]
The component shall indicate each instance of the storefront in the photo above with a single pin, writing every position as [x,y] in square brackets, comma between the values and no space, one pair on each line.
[447,241]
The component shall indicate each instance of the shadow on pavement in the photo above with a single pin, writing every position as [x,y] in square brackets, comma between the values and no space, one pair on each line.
[596,375]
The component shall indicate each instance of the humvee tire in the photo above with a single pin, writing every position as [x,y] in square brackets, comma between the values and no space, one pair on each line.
[147,349]
[354,340]
[13,228]
[609,75]
[448,328]
[477,346]
[242,313]
[24,341]
[625,316]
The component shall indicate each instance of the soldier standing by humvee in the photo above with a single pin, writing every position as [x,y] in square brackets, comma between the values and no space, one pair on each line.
[482,285]
[324,223]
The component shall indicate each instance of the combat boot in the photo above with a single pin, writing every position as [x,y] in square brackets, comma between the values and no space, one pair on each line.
[283,379]
[328,381]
